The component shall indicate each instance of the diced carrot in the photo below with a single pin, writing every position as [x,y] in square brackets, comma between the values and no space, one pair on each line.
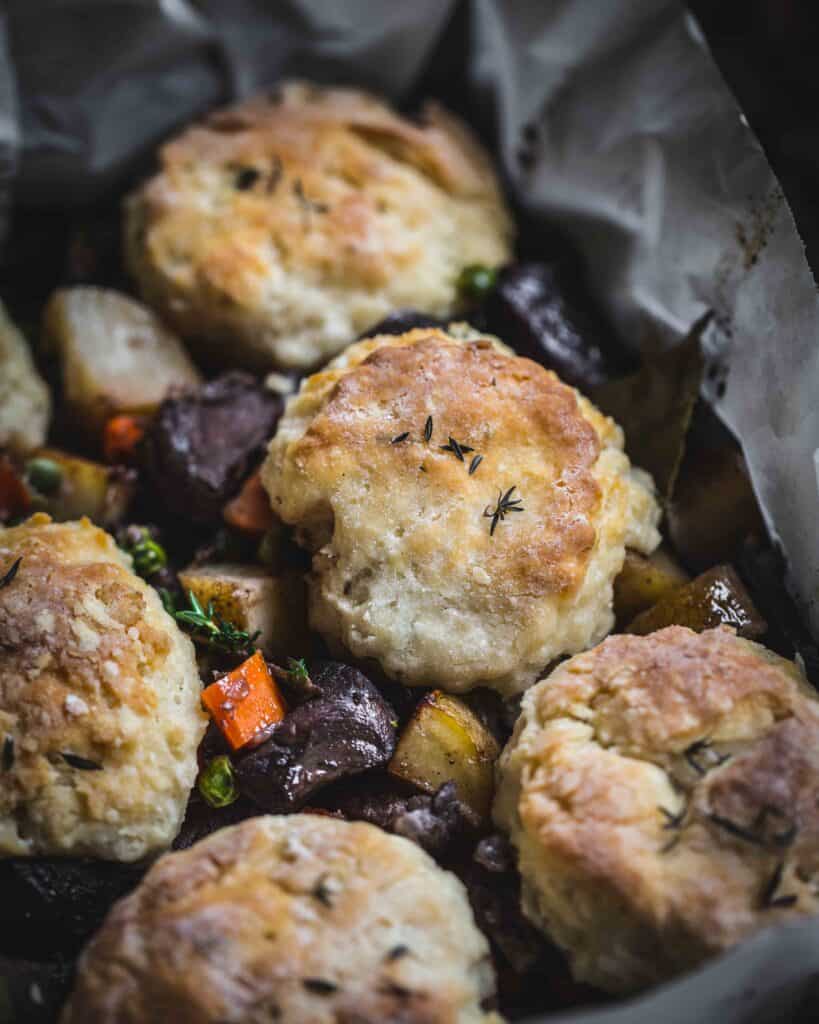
[245,702]
[120,438]
[15,499]
[250,510]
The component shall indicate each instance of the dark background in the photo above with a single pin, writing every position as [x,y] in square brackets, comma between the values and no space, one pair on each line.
[768,50]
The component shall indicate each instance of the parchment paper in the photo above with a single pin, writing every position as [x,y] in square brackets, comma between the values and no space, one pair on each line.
[609,117]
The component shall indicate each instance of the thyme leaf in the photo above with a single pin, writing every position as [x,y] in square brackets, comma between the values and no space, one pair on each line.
[473,465]
[320,986]
[9,576]
[7,757]
[695,756]
[456,448]
[756,833]
[400,437]
[83,764]
[504,505]
[428,429]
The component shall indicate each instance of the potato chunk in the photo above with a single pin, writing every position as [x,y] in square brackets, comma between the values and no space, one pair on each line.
[445,741]
[83,488]
[255,600]
[644,581]
[25,402]
[116,355]
[716,598]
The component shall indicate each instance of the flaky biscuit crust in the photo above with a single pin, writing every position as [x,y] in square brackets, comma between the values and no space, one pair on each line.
[279,229]
[661,792]
[92,667]
[297,918]
[407,567]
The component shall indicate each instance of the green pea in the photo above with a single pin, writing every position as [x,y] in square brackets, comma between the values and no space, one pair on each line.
[149,557]
[217,782]
[44,475]
[476,281]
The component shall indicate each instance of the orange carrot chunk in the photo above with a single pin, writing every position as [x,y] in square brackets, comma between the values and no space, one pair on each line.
[120,438]
[250,510]
[246,702]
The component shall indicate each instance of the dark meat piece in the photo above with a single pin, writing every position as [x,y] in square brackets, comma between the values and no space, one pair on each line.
[201,819]
[347,729]
[494,854]
[542,312]
[438,823]
[199,447]
[401,321]
[51,906]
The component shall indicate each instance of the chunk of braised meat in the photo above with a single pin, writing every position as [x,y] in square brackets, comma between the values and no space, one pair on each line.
[345,729]
[441,824]
[401,321]
[436,823]
[200,446]
[543,312]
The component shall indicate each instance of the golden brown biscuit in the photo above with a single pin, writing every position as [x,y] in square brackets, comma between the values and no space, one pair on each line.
[99,700]
[410,566]
[662,795]
[279,229]
[25,401]
[293,919]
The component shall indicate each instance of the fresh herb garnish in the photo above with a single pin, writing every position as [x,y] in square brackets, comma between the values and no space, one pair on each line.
[83,764]
[695,756]
[769,898]
[456,448]
[307,204]
[320,986]
[397,952]
[217,782]
[473,465]
[673,822]
[504,505]
[324,890]
[7,757]
[168,601]
[208,627]
[246,177]
[428,429]
[757,833]
[4,582]
[400,437]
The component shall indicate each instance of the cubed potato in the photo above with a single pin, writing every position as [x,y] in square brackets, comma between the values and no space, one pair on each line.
[116,355]
[82,488]
[25,401]
[716,598]
[255,600]
[445,741]
[644,581]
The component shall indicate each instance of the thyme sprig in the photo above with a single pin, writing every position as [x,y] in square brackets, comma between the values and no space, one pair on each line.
[208,627]
[9,576]
[674,822]
[504,505]
[457,449]
[757,833]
